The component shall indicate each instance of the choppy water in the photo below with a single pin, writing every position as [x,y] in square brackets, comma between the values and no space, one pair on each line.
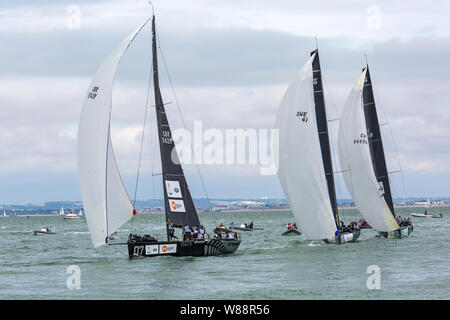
[266,266]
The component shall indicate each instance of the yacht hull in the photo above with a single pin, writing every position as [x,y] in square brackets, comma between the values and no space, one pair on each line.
[345,237]
[144,248]
[397,234]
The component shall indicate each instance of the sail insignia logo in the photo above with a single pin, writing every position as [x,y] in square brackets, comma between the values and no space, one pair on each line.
[93,93]
[362,139]
[166,138]
[173,189]
[177,205]
[303,115]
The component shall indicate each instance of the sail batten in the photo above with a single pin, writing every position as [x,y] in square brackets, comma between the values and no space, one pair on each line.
[106,203]
[300,169]
[356,162]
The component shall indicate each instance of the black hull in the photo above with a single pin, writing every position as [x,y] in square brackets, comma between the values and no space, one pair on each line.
[345,237]
[43,232]
[245,229]
[213,247]
[291,233]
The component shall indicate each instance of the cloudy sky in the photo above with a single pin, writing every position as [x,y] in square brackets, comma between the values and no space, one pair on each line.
[230,63]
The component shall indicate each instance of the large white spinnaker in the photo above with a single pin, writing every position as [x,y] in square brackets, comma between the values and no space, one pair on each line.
[105,200]
[300,166]
[356,163]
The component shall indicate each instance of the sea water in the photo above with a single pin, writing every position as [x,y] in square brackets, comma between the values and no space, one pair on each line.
[266,265]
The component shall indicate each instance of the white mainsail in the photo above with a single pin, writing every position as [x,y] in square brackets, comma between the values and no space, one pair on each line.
[356,163]
[61,211]
[300,167]
[106,203]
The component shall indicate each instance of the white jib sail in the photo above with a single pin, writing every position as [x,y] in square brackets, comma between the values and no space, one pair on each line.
[105,200]
[300,166]
[356,163]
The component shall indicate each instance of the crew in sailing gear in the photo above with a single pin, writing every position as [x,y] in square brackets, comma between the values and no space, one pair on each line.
[201,233]
[171,230]
[217,234]
[186,233]
[194,233]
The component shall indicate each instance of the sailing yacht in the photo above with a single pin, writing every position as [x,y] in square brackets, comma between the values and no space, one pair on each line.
[106,203]
[305,165]
[363,163]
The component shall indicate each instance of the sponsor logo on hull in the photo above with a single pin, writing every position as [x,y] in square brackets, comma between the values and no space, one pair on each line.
[167,248]
[151,249]
[347,237]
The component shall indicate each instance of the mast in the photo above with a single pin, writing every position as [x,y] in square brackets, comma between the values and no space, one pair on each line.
[375,142]
[179,207]
[322,128]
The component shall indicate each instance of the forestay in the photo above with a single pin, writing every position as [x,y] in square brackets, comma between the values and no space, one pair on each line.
[105,200]
[356,163]
[300,168]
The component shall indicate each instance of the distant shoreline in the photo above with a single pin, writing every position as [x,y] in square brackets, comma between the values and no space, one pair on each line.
[346,208]
[231,211]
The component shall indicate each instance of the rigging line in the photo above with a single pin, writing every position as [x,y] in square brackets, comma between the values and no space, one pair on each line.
[394,145]
[142,140]
[333,136]
[332,100]
[184,124]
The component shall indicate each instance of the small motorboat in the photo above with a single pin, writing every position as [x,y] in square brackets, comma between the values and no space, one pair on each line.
[72,216]
[45,230]
[363,224]
[245,227]
[291,232]
[426,215]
